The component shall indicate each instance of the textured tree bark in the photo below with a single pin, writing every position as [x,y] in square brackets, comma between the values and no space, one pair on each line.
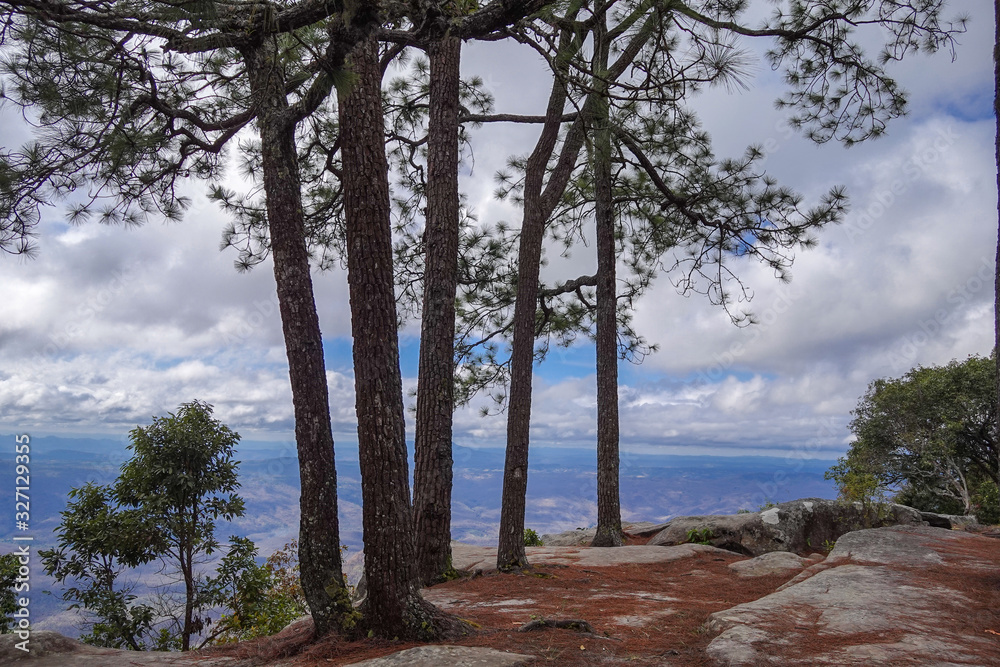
[319,533]
[996,285]
[393,607]
[510,550]
[187,570]
[538,205]
[609,519]
[432,475]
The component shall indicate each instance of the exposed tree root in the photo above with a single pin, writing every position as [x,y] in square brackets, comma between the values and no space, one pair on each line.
[422,622]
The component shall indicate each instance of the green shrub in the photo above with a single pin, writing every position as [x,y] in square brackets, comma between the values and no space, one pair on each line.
[925,500]
[986,503]
[860,487]
[531,538]
[702,536]
[262,599]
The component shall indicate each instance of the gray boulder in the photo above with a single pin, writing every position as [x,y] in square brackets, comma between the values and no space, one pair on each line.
[776,562]
[646,529]
[798,526]
[582,537]
[876,600]
[949,521]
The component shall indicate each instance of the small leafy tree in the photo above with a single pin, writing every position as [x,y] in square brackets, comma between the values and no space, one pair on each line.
[163,506]
[182,477]
[859,487]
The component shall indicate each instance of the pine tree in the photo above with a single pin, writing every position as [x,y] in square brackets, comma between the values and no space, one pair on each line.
[432,475]
[136,99]
[609,518]
[675,193]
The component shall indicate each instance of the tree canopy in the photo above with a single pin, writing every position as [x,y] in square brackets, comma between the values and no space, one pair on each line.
[684,211]
[929,437]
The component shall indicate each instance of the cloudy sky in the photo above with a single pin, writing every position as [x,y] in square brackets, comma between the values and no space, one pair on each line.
[108,326]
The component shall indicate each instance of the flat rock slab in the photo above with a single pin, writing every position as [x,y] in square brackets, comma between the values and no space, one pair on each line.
[51,649]
[902,546]
[582,537]
[447,656]
[471,558]
[889,596]
[777,562]
[949,521]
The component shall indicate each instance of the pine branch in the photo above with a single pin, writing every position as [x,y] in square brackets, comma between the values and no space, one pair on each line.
[513,118]
[568,287]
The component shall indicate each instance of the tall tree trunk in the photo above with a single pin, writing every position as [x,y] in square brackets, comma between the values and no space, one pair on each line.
[510,550]
[609,517]
[538,206]
[432,475]
[393,607]
[187,570]
[320,566]
[996,285]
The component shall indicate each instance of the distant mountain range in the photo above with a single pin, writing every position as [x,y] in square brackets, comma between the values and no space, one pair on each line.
[562,487]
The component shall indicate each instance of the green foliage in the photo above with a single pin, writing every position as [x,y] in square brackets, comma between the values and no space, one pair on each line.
[182,476]
[531,538]
[986,503]
[861,489]
[928,437]
[8,598]
[743,510]
[127,120]
[262,599]
[180,479]
[839,92]
[700,536]
[768,504]
[98,543]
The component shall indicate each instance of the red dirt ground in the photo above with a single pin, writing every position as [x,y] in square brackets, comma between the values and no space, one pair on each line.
[641,615]
[649,614]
